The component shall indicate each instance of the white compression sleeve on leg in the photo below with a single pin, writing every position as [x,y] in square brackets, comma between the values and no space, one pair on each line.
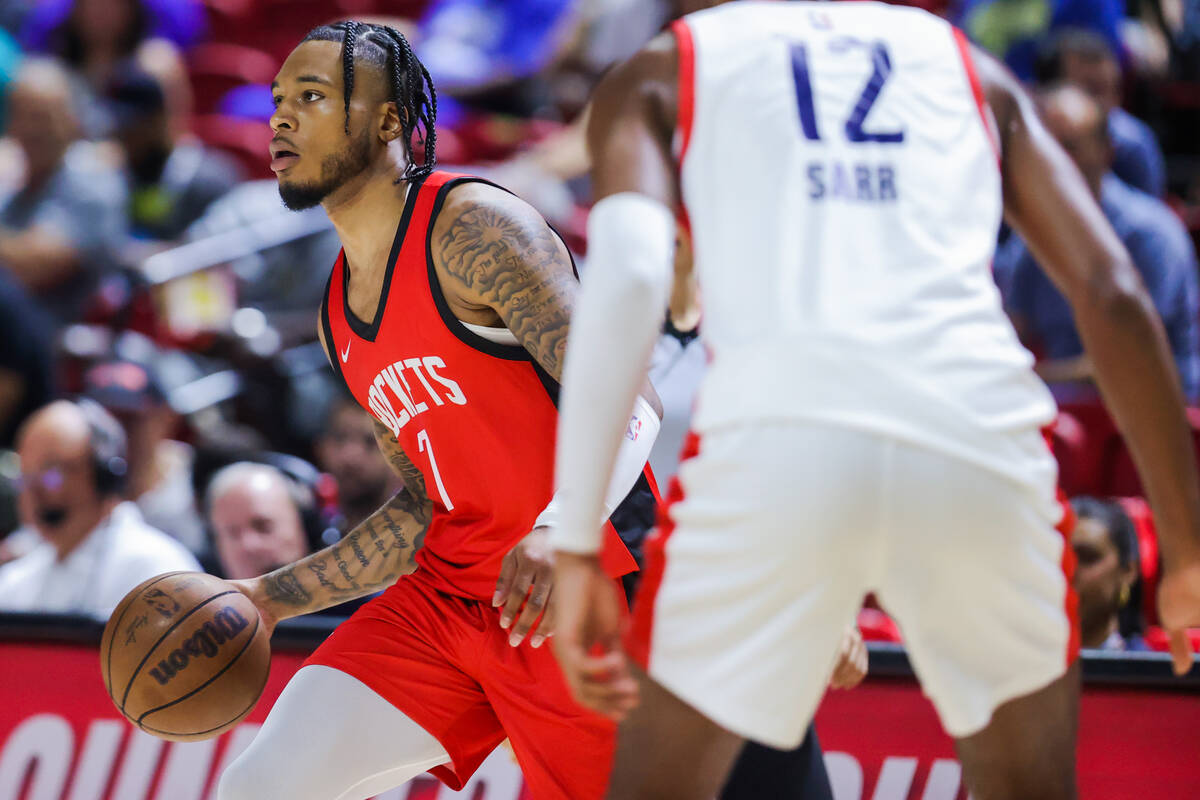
[358,744]
[616,321]
[635,449]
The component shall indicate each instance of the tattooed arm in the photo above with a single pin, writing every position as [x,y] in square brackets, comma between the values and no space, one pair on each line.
[369,558]
[498,258]
[498,261]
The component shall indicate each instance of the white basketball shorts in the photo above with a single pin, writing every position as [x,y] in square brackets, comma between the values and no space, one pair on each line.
[774,533]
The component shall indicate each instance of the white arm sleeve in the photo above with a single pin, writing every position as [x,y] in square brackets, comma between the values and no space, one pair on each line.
[640,434]
[631,239]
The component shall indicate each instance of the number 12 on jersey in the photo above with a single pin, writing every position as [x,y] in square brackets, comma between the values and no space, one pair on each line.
[881,70]
[424,445]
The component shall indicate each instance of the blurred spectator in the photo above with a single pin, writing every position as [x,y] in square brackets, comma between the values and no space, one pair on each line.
[1106,576]
[172,180]
[60,229]
[96,38]
[87,30]
[160,468]
[346,449]
[255,513]
[94,547]
[1157,241]
[1084,58]
[26,362]
[1013,29]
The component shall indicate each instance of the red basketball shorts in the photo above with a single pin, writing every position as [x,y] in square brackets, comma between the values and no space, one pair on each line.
[446,663]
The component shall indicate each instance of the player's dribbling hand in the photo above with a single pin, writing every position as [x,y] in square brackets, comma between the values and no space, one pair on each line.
[253,589]
[1179,609]
[524,589]
[587,640]
[852,660]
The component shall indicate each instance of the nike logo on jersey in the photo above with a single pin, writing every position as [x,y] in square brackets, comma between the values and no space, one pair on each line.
[346,352]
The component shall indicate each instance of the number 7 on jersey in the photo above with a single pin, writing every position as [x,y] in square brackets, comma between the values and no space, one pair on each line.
[424,445]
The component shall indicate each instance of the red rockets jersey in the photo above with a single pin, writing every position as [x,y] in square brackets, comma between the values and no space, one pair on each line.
[478,418]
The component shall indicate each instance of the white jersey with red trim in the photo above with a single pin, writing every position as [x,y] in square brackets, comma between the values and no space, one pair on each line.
[841,181]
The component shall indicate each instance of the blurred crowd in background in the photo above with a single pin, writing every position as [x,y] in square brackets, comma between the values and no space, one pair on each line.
[148,266]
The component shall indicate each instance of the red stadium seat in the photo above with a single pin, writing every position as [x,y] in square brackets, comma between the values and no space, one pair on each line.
[216,68]
[1123,477]
[1082,439]
[246,141]
[1078,468]
[276,26]
[281,24]
[229,19]
[1143,524]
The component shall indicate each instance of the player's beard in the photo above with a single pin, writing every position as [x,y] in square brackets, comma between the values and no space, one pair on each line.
[336,169]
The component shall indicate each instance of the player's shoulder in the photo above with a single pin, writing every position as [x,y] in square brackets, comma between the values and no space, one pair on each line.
[643,87]
[475,203]
[657,61]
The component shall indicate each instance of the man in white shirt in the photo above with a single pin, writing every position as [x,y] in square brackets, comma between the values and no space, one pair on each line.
[94,548]
[160,468]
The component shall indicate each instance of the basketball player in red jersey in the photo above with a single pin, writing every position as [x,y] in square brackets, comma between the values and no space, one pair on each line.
[769,539]
[446,315]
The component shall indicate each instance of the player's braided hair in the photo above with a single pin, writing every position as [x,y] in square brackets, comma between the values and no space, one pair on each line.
[411,88]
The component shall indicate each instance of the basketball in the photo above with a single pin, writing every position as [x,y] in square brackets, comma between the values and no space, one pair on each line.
[185,656]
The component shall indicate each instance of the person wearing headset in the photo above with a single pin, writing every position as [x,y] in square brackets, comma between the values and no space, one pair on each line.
[265,514]
[257,517]
[94,547]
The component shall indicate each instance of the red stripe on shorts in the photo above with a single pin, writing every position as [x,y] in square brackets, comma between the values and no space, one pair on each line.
[1066,526]
[637,642]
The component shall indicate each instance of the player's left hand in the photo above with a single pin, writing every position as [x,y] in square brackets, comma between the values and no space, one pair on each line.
[587,641]
[852,661]
[1179,609]
[524,589]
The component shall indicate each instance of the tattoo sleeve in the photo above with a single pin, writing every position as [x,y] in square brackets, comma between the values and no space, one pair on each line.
[506,257]
[367,559]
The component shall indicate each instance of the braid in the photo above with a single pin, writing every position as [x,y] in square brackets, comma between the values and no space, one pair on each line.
[429,120]
[349,40]
[410,86]
[412,89]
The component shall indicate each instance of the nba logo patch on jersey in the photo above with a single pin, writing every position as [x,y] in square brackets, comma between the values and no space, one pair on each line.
[634,429]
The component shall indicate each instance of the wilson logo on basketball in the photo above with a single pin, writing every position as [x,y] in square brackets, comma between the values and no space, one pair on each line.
[206,641]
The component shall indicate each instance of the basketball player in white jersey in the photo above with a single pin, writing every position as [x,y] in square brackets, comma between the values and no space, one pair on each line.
[869,422]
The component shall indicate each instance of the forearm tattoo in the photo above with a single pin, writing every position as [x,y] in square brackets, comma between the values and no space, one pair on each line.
[519,268]
[283,588]
[367,559]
